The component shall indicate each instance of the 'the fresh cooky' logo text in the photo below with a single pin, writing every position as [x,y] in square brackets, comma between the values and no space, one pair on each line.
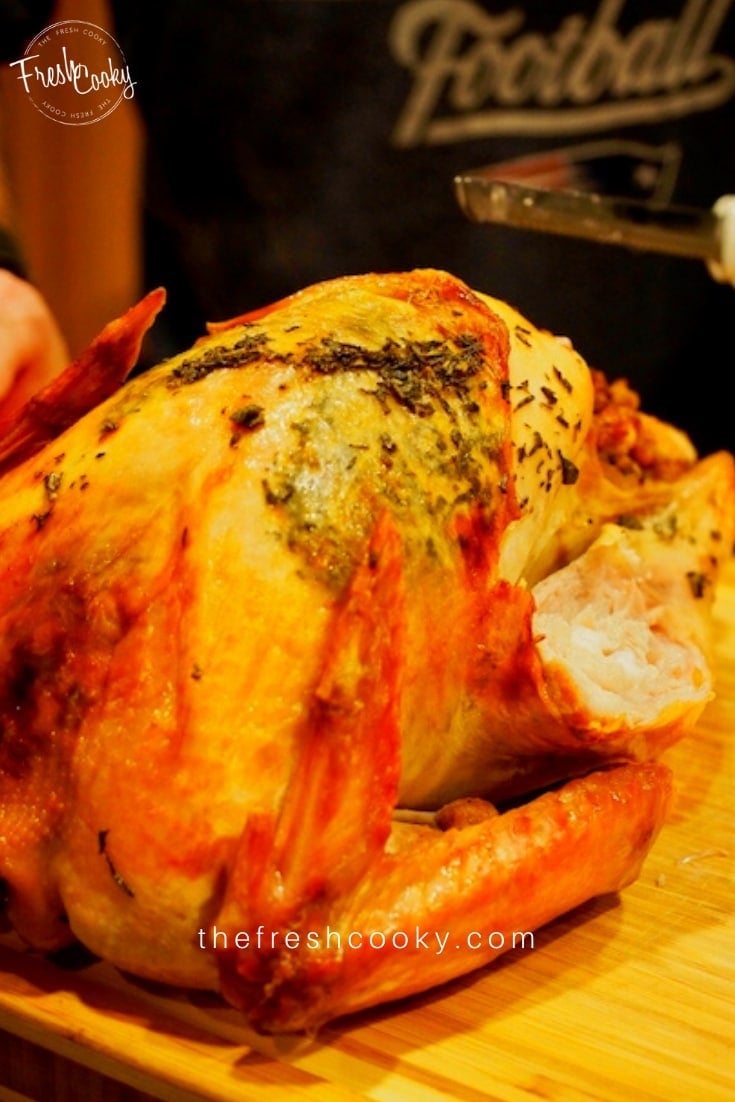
[74,72]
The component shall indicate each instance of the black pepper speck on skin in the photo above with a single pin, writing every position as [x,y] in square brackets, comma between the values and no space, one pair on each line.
[524,402]
[108,426]
[563,380]
[569,471]
[698,583]
[249,417]
[39,519]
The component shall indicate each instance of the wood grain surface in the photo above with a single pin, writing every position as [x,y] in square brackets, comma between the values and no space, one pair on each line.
[631,997]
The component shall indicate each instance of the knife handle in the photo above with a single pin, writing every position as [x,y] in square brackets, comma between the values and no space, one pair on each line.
[723,270]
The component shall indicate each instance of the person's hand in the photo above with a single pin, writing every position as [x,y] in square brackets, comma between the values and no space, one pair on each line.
[32,349]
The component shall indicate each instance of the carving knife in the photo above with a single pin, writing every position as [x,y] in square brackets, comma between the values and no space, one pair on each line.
[707,235]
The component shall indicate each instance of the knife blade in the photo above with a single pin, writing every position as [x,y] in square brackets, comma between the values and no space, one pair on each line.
[662,228]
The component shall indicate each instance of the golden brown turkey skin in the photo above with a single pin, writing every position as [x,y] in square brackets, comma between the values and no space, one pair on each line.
[287,581]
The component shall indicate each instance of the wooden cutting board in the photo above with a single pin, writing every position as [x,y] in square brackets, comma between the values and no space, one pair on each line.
[631,997]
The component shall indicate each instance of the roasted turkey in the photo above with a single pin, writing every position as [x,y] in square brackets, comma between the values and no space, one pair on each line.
[368,614]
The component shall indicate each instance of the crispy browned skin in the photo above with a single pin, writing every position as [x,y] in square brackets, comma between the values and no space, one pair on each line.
[362,550]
